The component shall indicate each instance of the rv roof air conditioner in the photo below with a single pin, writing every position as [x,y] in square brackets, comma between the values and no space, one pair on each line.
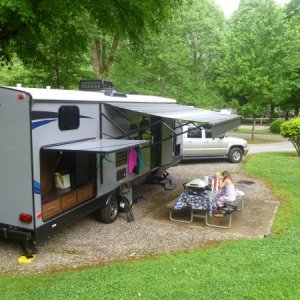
[96,85]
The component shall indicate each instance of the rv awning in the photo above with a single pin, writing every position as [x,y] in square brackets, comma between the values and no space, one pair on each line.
[219,122]
[96,145]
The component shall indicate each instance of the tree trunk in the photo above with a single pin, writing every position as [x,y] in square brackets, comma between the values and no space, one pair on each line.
[253,128]
[163,85]
[296,111]
[102,64]
[272,109]
[286,117]
[96,56]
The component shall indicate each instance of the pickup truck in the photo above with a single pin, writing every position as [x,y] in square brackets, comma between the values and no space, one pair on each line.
[197,143]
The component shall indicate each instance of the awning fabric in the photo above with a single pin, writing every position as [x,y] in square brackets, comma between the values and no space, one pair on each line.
[219,122]
[98,146]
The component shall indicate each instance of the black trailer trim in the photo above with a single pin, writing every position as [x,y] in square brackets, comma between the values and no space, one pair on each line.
[15,233]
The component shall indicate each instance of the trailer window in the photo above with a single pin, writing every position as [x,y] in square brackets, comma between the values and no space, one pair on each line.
[68,117]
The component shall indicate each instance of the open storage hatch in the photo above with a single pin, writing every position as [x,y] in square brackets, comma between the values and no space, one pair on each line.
[76,163]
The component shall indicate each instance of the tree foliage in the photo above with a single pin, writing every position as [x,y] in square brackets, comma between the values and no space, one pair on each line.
[253,66]
[134,21]
[291,130]
[55,34]
[292,102]
[182,49]
[179,61]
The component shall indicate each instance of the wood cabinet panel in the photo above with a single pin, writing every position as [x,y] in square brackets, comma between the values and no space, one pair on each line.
[68,200]
[51,208]
[64,201]
[85,192]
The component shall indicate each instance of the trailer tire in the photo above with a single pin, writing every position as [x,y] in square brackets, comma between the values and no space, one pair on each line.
[110,212]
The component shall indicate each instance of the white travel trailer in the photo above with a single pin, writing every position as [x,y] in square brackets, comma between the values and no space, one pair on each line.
[65,154]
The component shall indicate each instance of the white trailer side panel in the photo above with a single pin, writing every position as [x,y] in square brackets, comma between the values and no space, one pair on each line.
[16,187]
[45,131]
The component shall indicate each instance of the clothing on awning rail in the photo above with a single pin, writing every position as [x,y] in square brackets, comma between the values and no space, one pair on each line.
[219,122]
[97,145]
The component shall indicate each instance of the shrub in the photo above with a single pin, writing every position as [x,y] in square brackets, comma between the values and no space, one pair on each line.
[275,125]
[291,130]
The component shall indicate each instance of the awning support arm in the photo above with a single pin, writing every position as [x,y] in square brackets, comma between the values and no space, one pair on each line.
[171,129]
[117,126]
[128,134]
[197,125]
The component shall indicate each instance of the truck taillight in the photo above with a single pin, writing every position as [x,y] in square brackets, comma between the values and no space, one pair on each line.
[25,218]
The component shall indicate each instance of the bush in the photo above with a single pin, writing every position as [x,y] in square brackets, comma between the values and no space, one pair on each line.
[275,125]
[291,130]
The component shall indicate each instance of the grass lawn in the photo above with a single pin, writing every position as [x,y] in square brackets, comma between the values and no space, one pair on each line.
[260,141]
[266,268]
[256,131]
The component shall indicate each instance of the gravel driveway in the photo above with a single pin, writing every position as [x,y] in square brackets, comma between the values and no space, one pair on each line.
[90,242]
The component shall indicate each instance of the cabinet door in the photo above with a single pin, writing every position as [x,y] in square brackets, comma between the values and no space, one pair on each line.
[51,208]
[68,200]
[85,192]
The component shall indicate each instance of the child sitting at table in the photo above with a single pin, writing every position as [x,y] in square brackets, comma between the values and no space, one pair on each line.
[227,189]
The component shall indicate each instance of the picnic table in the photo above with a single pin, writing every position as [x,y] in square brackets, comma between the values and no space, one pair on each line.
[203,206]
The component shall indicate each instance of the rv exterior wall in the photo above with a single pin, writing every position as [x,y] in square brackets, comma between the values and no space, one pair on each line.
[15,159]
[49,133]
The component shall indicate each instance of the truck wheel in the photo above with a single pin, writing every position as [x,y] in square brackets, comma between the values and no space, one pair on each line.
[235,155]
[109,213]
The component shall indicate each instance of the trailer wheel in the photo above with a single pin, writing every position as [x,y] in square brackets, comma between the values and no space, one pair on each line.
[109,213]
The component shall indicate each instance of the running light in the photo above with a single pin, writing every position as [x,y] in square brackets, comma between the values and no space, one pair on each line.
[21,96]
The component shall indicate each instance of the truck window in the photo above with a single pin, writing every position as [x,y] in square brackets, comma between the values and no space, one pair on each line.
[68,117]
[208,133]
[194,133]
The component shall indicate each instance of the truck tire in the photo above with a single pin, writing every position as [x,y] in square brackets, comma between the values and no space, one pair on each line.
[110,212]
[235,155]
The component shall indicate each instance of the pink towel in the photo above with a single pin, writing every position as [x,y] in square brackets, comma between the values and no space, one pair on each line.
[132,160]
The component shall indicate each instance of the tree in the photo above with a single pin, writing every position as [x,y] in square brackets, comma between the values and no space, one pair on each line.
[291,130]
[132,20]
[58,57]
[62,22]
[254,68]
[22,13]
[179,61]
[292,102]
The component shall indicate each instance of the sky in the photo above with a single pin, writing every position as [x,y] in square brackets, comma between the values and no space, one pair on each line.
[229,6]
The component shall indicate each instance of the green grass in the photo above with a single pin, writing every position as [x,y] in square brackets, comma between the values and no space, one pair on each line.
[260,141]
[267,268]
[257,131]
[282,172]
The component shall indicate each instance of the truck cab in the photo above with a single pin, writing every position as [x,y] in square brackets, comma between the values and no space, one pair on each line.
[198,143]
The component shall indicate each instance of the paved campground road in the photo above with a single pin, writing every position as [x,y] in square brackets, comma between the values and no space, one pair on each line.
[277,143]
[271,147]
